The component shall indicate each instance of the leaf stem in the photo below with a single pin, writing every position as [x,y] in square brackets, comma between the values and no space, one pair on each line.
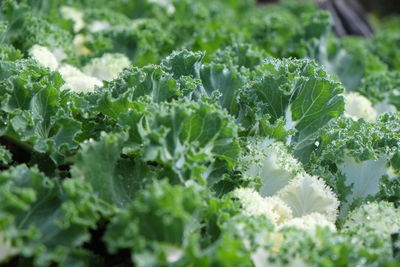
[23,145]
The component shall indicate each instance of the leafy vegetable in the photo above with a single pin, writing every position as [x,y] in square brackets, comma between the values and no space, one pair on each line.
[196,133]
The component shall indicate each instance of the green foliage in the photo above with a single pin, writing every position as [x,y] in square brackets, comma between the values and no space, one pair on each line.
[30,107]
[386,44]
[189,140]
[128,131]
[350,60]
[298,91]
[143,41]
[5,155]
[46,220]
[355,157]
[382,87]
[27,27]
[9,53]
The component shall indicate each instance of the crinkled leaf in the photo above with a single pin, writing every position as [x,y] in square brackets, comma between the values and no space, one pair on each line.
[39,227]
[114,179]
[300,92]
[185,138]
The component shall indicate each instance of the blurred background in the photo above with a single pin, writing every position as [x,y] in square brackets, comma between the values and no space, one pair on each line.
[382,7]
[355,17]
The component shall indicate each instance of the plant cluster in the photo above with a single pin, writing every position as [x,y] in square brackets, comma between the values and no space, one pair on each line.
[196,133]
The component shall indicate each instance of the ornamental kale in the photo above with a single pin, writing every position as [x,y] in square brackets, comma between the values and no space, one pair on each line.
[196,133]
